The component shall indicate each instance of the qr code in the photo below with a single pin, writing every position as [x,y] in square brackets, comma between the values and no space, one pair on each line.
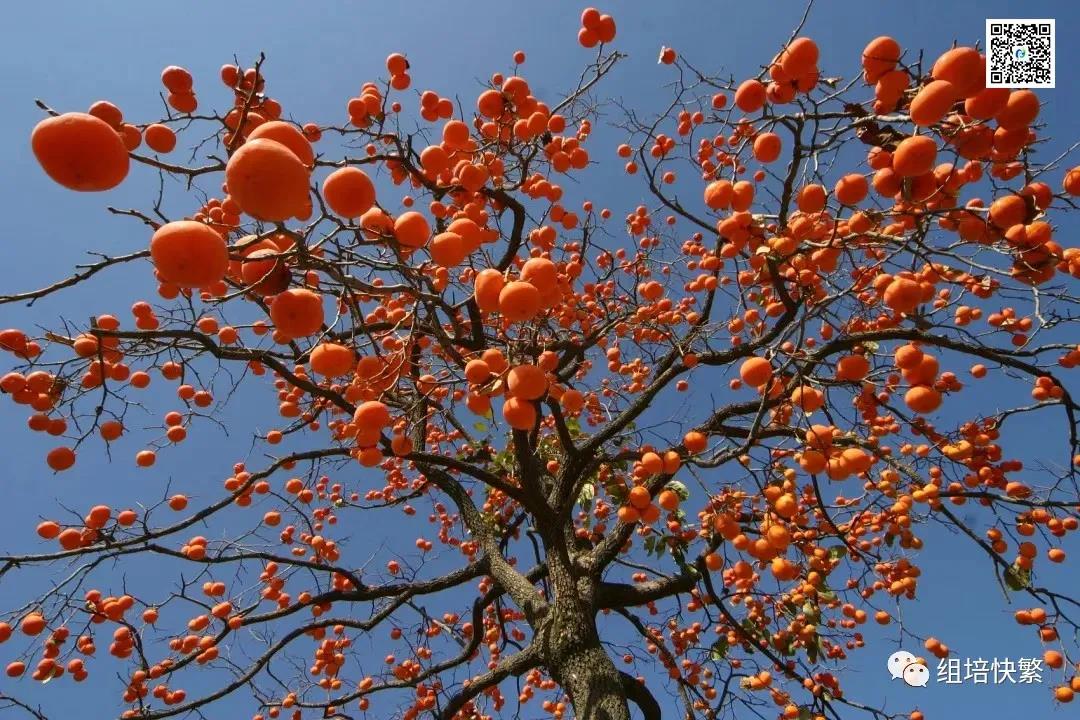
[1020,53]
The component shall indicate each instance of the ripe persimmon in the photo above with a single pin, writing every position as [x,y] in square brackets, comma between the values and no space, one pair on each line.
[914,156]
[60,459]
[264,272]
[808,399]
[964,67]
[851,189]
[811,198]
[932,102]
[519,301]
[922,399]
[541,273]
[160,138]
[528,382]
[297,312]
[519,414]
[799,57]
[32,624]
[1071,182]
[572,400]
[372,414]
[852,368]
[986,103]
[288,135]
[750,96]
[639,497]
[80,152]
[176,79]
[189,253]
[332,359]
[348,192]
[268,181]
[718,194]
[477,371]
[668,500]
[879,57]
[1020,110]
[767,147]
[412,230]
[903,295]
[47,530]
[447,249]
[755,371]
[695,441]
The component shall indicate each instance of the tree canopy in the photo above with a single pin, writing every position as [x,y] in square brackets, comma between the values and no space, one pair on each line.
[718,418]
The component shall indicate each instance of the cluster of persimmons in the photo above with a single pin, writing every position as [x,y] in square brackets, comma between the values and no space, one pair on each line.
[446,271]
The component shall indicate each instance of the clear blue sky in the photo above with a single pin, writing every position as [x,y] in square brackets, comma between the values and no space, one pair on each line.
[72,53]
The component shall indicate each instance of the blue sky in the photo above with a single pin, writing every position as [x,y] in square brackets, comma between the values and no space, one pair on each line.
[70,54]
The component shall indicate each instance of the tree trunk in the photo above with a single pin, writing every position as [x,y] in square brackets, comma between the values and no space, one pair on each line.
[571,646]
[588,675]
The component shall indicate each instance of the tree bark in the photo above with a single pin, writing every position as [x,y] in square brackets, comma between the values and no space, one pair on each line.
[571,645]
[589,677]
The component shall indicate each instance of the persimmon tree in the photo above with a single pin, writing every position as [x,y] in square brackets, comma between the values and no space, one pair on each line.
[718,422]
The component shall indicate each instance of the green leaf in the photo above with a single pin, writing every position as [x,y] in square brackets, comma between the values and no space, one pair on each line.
[837,551]
[719,649]
[678,552]
[679,489]
[479,426]
[813,650]
[1018,578]
[588,492]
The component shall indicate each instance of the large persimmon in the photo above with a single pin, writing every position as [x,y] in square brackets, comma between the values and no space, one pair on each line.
[851,189]
[189,254]
[372,414]
[519,301]
[60,459]
[932,102]
[922,399]
[519,414]
[879,57]
[297,312]
[528,382]
[750,96]
[488,285]
[80,152]
[964,67]
[903,295]
[264,272]
[349,192]
[332,359]
[1021,109]
[755,371]
[268,181]
[447,249]
[472,235]
[288,135]
[541,273]
[914,156]
[767,147]
[412,230]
